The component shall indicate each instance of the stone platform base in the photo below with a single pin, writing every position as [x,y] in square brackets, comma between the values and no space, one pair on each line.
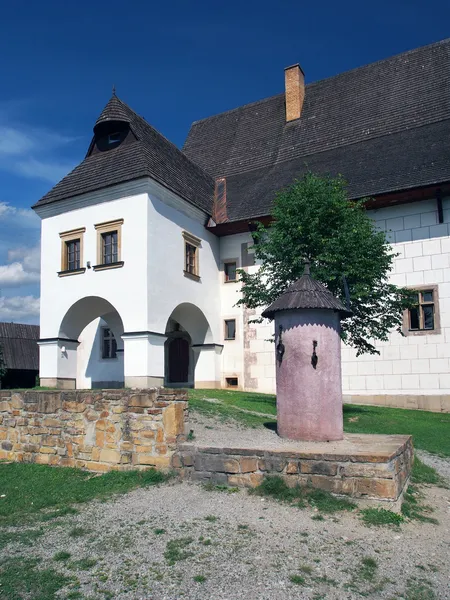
[369,468]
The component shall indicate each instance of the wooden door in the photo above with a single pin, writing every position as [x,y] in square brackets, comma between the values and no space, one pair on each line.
[178,361]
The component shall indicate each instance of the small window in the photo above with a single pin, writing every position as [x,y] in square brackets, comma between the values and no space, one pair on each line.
[231,381]
[109,247]
[113,139]
[109,344]
[191,259]
[230,329]
[109,242]
[422,315]
[230,271]
[73,255]
[72,252]
[191,256]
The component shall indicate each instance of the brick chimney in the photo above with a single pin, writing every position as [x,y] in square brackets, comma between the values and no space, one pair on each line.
[294,81]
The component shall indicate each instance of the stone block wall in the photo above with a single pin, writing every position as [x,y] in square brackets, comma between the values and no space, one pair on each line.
[96,430]
[379,475]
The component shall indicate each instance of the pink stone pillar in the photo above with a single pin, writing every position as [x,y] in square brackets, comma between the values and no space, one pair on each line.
[309,398]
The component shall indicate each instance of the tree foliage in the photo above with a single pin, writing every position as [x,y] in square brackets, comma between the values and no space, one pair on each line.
[314,219]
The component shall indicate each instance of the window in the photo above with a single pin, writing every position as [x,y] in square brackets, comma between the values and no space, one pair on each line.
[191,259]
[192,247]
[423,317]
[109,247]
[230,329]
[113,139]
[230,271]
[109,344]
[231,381]
[72,252]
[73,255]
[109,241]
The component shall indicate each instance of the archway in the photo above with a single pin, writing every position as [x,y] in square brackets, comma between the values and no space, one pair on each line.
[189,351]
[93,353]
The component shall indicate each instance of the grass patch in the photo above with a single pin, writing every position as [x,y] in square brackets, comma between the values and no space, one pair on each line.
[159,531]
[61,556]
[413,509]
[84,564]
[429,430]
[297,579]
[422,473]
[77,532]
[21,578]
[211,518]
[211,487]
[368,568]
[419,590]
[26,537]
[275,487]
[175,550]
[30,489]
[381,516]
[199,578]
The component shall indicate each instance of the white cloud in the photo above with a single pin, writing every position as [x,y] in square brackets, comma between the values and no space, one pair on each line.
[19,308]
[15,275]
[29,257]
[51,171]
[20,217]
[34,152]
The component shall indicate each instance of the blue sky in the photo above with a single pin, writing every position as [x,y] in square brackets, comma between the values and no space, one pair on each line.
[173,62]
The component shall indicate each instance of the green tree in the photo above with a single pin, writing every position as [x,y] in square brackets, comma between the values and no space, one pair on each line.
[314,219]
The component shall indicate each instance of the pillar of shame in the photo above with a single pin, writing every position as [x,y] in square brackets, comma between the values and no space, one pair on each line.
[308,361]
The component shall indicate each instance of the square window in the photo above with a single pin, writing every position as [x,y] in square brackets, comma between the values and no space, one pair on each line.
[72,252]
[109,344]
[230,271]
[109,247]
[423,317]
[230,329]
[231,381]
[192,247]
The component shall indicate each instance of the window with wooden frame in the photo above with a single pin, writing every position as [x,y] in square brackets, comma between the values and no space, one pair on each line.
[109,242]
[72,252]
[109,344]
[229,270]
[192,246]
[230,329]
[423,317]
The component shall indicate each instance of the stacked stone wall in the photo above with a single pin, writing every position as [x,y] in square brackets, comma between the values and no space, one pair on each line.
[378,476]
[96,430]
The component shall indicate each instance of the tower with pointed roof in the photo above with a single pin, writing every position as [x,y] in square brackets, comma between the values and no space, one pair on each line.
[308,367]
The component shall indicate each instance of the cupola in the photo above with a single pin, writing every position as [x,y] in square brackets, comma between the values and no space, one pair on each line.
[112,127]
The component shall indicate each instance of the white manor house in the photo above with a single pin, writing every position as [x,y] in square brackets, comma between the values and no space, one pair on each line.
[141,241]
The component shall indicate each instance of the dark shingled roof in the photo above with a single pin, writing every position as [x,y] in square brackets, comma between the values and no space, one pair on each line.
[19,346]
[150,155]
[385,127]
[306,292]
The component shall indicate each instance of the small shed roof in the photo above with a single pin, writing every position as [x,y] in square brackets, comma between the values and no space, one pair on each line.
[306,293]
[19,346]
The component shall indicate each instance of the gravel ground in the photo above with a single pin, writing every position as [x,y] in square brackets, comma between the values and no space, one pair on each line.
[442,465]
[181,541]
[244,547]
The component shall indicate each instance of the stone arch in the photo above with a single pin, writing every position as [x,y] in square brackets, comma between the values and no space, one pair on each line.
[82,354]
[186,325]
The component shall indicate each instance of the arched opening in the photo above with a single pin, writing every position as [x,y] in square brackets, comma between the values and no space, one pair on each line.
[188,332]
[94,353]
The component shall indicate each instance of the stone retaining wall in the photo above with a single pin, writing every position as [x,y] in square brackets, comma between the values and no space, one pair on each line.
[376,475]
[97,430]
